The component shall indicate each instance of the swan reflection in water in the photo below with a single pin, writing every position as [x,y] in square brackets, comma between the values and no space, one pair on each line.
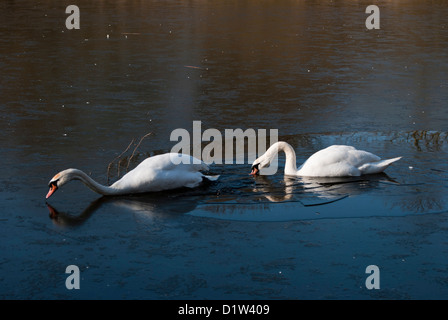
[284,198]
[244,199]
[149,206]
[318,190]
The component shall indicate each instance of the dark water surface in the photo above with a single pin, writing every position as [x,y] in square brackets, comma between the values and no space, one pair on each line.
[78,98]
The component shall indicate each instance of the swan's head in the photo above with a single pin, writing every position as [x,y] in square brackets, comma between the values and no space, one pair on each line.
[266,159]
[60,179]
[259,163]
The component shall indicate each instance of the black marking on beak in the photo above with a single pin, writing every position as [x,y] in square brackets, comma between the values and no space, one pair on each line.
[53,183]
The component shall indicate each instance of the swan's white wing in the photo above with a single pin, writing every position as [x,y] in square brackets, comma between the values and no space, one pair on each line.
[171,161]
[336,161]
[160,173]
[359,157]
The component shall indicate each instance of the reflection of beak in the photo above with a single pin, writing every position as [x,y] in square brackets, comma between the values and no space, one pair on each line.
[53,188]
[254,171]
[53,213]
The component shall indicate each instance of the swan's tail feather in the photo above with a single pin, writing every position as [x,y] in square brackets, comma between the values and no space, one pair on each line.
[377,167]
[392,160]
[212,178]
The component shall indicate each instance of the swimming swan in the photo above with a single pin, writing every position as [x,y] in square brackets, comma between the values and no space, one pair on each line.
[334,161]
[157,173]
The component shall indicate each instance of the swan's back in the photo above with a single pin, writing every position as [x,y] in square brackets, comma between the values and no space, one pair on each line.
[337,160]
[173,161]
[163,172]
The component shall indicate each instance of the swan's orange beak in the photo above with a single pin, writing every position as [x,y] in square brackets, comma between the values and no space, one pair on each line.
[53,188]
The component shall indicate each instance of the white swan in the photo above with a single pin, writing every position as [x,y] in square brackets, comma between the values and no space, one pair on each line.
[334,161]
[157,173]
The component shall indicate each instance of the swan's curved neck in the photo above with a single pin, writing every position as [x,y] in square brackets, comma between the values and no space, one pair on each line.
[92,184]
[290,164]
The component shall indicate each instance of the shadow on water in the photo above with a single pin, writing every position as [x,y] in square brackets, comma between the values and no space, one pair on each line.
[315,191]
[166,204]
[283,198]
[150,206]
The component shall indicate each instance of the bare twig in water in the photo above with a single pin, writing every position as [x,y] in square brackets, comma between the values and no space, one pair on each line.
[121,161]
[135,149]
[118,165]
[194,67]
